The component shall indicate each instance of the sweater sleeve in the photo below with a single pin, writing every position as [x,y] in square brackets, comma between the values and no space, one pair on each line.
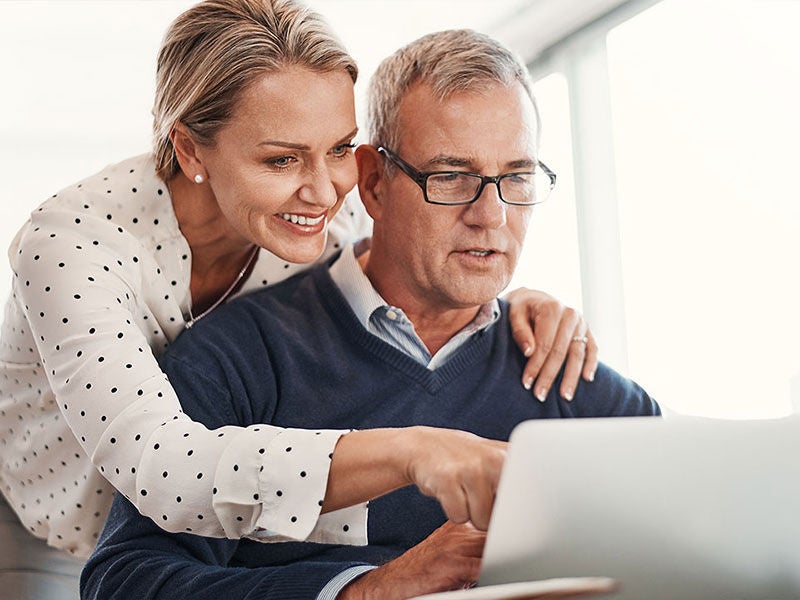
[85,285]
[135,559]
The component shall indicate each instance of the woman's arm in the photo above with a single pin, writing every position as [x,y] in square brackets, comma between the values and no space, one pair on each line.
[84,288]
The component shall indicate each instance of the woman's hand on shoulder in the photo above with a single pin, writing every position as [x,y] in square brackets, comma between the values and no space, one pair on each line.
[550,335]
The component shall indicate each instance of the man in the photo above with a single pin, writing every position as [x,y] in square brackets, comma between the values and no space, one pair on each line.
[408,334]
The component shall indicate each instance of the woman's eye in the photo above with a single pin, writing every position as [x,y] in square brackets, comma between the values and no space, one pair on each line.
[342,149]
[281,162]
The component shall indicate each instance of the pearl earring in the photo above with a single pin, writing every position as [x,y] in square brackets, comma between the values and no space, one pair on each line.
[198,178]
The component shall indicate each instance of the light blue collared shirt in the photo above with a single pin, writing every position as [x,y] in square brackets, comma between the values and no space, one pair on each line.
[390,323]
[336,585]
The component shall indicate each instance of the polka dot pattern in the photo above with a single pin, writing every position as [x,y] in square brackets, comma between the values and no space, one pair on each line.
[100,289]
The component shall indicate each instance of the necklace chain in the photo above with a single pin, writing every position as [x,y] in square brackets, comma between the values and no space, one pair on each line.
[231,289]
[227,293]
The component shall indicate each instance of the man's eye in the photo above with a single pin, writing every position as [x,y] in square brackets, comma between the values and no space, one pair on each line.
[446,177]
[520,178]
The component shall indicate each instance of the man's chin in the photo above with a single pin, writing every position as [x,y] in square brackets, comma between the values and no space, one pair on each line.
[473,288]
[473,296]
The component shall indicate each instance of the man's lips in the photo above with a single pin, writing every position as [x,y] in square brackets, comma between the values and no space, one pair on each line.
[480,252]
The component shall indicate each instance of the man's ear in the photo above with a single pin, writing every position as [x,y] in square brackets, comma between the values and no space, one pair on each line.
[371,179]
[186,150]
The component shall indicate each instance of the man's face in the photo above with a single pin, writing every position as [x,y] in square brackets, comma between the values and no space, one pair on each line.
[458,256]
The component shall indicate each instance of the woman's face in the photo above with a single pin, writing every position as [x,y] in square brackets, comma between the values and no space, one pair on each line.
[283,164]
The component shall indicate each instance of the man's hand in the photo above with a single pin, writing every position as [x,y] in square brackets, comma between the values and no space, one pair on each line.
[448,559]
[548,334]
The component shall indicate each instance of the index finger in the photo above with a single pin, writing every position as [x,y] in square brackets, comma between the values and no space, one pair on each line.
[558,353]
[546,329]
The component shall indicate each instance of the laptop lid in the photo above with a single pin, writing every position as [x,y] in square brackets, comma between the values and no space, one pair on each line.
[669,508]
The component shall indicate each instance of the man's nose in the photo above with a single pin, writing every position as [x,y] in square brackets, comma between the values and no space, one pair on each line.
[488,211]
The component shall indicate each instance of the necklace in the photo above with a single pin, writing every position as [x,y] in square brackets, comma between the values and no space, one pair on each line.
[230,291]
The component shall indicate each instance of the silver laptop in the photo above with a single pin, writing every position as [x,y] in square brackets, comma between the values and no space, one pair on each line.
[677,508]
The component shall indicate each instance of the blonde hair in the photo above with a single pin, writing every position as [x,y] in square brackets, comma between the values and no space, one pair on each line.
[449,62]
[212,52]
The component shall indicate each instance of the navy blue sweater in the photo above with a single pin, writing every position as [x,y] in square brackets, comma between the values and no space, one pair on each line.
[295,355]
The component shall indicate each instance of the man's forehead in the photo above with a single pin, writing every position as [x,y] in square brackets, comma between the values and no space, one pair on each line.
[465,129]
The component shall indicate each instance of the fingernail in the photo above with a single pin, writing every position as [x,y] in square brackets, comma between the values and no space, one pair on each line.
[527,383]
[568,395]
[591,376]
[527,350]
[541,394]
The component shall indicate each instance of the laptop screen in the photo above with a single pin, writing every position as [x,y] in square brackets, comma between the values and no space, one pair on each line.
[670,508]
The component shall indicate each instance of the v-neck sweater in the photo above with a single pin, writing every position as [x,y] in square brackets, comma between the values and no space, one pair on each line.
[297,356]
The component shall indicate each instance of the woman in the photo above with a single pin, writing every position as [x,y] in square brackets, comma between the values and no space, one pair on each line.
[254,124]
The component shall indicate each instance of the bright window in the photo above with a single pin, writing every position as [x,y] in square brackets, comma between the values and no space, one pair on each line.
[704,96]
[550,259]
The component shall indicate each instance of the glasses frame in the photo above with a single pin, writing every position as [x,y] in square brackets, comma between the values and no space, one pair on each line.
[421,179]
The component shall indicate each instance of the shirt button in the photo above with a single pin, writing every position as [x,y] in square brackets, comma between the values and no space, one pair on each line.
[391,315]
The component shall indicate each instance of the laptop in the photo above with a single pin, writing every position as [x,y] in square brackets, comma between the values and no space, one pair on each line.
[676,508]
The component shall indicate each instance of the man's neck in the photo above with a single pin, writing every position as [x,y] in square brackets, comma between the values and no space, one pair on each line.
[435,325]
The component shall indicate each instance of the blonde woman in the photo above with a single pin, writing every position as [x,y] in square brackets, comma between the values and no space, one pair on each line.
[254,124]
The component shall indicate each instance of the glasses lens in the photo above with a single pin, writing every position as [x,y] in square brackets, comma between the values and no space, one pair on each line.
[525,188]
[452,188]
[519,188]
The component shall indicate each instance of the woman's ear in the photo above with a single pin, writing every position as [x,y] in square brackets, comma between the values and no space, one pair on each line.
[186,151]
[371,179]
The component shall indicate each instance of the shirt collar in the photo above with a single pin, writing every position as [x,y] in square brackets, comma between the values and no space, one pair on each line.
[355,286]
[364,300]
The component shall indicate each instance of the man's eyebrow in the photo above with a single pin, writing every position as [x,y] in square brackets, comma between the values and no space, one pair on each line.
[443,160]
[304,147]
[523,163]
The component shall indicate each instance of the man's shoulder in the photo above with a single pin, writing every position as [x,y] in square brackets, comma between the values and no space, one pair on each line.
[611,394]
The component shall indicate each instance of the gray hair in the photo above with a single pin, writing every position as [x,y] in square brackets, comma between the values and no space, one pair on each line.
[449,61]
[215,49]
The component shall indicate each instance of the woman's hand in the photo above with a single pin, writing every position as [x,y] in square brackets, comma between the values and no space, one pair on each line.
[461,470]
[549,333]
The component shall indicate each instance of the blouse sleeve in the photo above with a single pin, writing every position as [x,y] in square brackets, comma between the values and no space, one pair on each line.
[84,286]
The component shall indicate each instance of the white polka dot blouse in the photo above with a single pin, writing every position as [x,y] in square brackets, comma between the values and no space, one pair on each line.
[101,287]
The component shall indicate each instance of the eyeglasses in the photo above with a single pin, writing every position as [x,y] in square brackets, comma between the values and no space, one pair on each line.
[459,187]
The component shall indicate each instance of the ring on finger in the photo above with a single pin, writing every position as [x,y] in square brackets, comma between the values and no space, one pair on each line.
[581,339]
